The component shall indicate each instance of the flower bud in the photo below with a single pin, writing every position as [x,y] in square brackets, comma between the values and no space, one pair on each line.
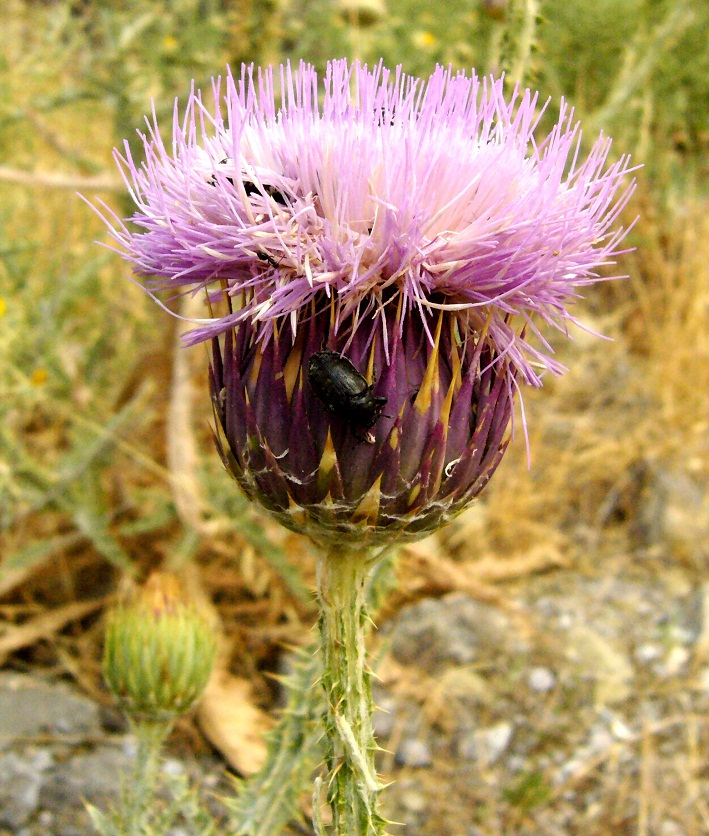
[364,12]
[496,9]
[159,651]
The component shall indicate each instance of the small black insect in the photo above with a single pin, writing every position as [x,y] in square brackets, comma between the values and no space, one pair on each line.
[213,179]
[269,259]
[276,195]
[385,115]
[343,390]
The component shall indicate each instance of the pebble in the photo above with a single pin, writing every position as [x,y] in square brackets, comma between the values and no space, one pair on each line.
[414,752]
[541,679]
[413,801]
[647,653]
[620,729]
[603,660]
[486,746]
[384,714]
[676,659]
[680,634]
[20,784]
[434,633]
[171,766]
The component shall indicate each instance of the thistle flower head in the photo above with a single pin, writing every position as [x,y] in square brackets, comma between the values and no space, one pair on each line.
[420,231]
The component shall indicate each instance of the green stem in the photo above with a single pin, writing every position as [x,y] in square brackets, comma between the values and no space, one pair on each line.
[525,41]
[352,782]
[139,793]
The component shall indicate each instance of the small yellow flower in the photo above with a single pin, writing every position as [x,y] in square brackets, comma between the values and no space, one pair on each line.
[170,45]
[422,39]
[38,376]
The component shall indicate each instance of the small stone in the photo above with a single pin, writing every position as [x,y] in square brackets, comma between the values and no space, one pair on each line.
[31,706]
[620,729]
[541,679]
[413,801]
[680,634]
[460,684]
[173,767]
[46,818]
[566,771]
[454,630]
[414,752]
[486,745]
[676,659]
[20,784]
[384,716]
[647,652]
[603,661]
[600,740]
[565,621]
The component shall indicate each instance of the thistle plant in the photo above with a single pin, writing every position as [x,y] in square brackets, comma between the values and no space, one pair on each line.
[378,255]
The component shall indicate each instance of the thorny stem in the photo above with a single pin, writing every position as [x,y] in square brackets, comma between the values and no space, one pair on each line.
[139,793]
[352,784]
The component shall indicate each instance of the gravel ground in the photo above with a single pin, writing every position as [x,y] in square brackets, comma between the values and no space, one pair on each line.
[578,707]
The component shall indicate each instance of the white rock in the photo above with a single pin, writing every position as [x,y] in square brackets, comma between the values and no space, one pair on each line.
[490,743]
[413,752]
[647,652]
[541,679]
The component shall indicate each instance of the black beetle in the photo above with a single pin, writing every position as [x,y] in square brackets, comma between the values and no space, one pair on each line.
[250,187]
[343,390]
[274,193]
[269,259]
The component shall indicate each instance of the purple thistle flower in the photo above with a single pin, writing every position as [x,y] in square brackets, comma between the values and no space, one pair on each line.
[418,230]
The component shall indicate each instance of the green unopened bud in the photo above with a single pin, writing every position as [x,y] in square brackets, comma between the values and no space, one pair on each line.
[159,651]
[496,9]
[364,13]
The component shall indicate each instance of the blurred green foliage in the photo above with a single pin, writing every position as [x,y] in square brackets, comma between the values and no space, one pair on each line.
[84,357]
